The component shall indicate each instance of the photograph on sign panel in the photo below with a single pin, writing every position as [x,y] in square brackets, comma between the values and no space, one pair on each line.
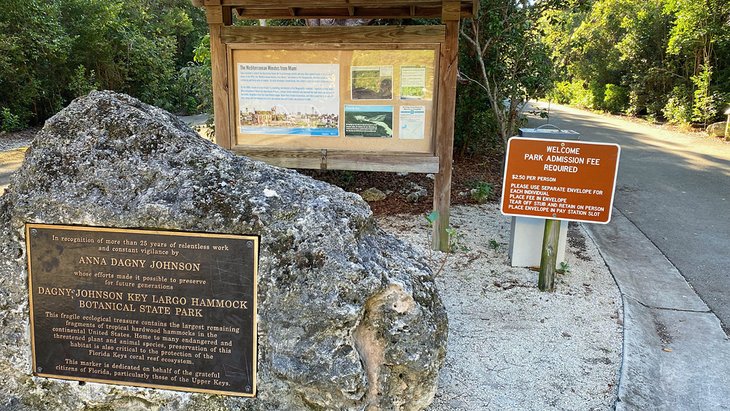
[412,122]
[372,83]
[412,82]
[298,99]
[368,121]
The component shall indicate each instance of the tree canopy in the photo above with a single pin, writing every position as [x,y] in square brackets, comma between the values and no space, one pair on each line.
[52,51]
[667,59]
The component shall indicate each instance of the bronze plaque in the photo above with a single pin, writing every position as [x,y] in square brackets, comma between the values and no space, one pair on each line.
[159,309]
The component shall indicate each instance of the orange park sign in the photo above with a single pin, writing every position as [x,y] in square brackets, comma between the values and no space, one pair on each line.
[560,179]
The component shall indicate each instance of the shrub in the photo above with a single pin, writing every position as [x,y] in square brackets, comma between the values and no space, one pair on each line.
[678,109]
[582,96]
[572,92]
[82,82]
[597,93]
[562,92]
[481,192]
[10,121]
[615,98]
[475,129]
[706,104]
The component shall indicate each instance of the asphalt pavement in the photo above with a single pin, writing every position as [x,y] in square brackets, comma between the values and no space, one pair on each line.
[666,246]
[675,188]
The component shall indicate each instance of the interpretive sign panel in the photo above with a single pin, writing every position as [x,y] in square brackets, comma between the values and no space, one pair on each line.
[343,99]
[160,309]
[560,179]
[299,99]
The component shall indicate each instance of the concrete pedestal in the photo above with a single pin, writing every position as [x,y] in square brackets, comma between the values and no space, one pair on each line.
[525,246]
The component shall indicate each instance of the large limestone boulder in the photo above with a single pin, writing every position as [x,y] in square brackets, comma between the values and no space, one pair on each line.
[348,316]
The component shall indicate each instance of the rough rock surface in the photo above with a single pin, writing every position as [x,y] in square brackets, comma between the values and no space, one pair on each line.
[717,129]
[373,194]
[349,317]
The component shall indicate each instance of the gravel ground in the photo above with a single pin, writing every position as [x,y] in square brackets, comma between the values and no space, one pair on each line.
[510,346]
[16,140]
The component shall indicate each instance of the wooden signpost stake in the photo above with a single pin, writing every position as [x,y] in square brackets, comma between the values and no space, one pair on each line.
[548,260]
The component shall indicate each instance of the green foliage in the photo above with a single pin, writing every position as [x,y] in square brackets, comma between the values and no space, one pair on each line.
[678,109]
[53,51]
[345,178]
[432,217]
[10,121]
[503,57]
[615,98]
[193,86]
[82,82]
[456,241]
[455,237]
[661,58]
[34,49]
[706,102]
[576,93]
[481,192]
[493,244]
[475,129]
[562,92]
[564,268]
[595,96]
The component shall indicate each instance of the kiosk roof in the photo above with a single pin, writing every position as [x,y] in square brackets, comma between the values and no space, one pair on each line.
[342,9]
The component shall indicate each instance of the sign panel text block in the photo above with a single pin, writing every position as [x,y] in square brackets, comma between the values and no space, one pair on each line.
[560,179]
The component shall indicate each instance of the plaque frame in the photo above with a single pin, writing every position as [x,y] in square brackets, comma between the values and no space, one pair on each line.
[254,307]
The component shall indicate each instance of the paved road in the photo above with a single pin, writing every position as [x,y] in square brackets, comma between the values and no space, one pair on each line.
[676,189]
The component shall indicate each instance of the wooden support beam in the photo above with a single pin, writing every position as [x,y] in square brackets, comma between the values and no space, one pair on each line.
[321,9]
[343,160]
[448,69]
[334,3]
[324,3]
[451,11]
[219,66]
[400,12]
[319,35]
[214,14]
[227,16]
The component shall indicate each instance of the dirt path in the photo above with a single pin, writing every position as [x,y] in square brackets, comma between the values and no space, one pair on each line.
[9,162]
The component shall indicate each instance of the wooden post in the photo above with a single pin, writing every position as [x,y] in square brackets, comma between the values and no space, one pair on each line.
[546,279]
[219,65]
[448,69]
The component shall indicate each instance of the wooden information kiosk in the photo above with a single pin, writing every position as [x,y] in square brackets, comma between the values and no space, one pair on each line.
[366,98]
